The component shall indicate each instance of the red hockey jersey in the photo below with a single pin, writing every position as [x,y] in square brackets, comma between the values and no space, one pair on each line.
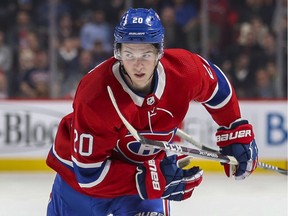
[94,152]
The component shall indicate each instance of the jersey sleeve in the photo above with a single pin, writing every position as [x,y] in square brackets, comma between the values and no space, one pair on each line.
[94,141]
[216,93]
[82,152]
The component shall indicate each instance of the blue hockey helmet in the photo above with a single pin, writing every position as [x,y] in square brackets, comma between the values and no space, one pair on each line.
[139,26]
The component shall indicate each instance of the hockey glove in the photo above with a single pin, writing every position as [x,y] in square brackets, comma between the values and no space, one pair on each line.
[238,140]
[164,179]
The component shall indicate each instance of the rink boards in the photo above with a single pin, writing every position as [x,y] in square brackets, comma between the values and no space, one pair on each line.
[28,127]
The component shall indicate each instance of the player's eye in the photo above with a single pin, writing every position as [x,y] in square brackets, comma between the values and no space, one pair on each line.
[146,56]
[128,56]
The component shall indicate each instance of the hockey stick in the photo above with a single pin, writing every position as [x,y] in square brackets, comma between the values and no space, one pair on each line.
[169,146]
[189,139]
[211,154]
[180,133]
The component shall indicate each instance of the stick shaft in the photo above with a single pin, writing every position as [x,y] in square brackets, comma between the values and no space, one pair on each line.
[216,156]
[210,154]
[189,139]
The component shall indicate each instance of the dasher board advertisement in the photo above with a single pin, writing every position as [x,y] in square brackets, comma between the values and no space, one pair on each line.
[28,127]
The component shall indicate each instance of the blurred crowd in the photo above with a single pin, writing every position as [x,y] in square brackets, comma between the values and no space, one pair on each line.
[242,41]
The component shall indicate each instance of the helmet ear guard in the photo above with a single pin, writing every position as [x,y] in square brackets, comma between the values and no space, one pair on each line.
[139,26]
[117,48]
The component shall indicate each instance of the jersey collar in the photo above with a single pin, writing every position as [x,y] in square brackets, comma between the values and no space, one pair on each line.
[160,82]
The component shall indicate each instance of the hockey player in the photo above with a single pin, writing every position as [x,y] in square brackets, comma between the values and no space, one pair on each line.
[101,169]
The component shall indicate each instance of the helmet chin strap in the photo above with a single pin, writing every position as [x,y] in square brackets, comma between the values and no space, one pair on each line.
[123,71]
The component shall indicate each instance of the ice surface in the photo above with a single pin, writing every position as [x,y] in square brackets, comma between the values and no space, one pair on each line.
[27,194]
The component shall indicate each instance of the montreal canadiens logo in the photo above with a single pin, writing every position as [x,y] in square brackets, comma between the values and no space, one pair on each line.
[137,153]
[142,150]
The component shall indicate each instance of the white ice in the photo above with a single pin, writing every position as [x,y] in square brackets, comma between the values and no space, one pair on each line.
[27,194]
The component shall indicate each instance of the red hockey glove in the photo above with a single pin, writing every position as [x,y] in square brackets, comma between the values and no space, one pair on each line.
[238,140]
[164,179]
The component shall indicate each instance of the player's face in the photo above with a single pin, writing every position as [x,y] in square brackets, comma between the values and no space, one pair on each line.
[139,61]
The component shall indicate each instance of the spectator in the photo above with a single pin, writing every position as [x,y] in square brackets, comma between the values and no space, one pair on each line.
[260,30]
[42,11]
[32,41]
[186,16]
[174,34]
[67,58]
[246,44]
[114,8]
[84,64]
[66,28]
[227,69]
[217,12]
[34,83]
[251,8]
[3,85]
[25,5]
[264,86]
[271,69]
[6,61]
[26,60]
[250,27]
[6,55]
[269,47]
[242,76]
[82,10]
[267,11]
[8,11]
[99,54]
[154,4]
[96,30]
[17,35]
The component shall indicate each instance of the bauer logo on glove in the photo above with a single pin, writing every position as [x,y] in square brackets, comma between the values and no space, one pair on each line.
[234,135]
[238,132]
[238,140]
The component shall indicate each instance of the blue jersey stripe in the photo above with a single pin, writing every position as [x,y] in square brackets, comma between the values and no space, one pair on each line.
[90,177]
[224,91]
